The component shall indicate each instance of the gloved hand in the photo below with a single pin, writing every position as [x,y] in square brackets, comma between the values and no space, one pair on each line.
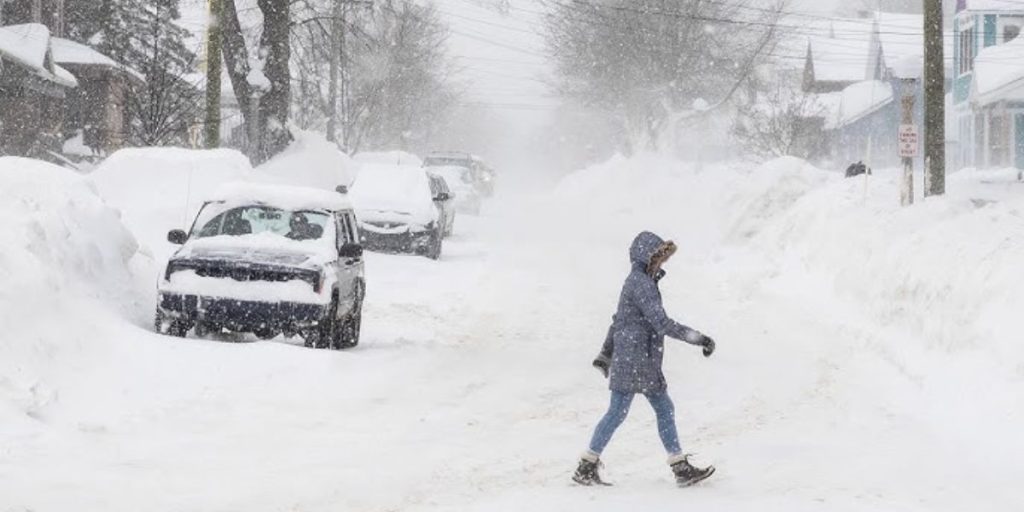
[709,346]
[601,363]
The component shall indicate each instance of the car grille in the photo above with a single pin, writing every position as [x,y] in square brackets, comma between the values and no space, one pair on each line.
[245,272]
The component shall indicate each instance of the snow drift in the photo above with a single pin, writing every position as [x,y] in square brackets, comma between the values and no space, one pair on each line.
[310,161]
[66,259]
[160,189]
[946,269]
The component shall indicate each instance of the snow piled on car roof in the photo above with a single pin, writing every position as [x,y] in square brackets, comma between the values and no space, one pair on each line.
[285,197]
[393,188]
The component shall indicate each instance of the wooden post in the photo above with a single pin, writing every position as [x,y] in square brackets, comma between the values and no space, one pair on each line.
[213,70]
[934,99]
[907,180]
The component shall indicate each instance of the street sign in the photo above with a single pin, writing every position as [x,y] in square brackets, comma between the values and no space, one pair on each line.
[908,141]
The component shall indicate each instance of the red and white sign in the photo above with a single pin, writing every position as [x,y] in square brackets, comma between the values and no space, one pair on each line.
[908,140]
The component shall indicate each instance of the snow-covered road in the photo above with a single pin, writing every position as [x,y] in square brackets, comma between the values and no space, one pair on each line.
[472,390]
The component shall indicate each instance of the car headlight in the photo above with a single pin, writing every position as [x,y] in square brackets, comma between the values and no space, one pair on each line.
[174,266]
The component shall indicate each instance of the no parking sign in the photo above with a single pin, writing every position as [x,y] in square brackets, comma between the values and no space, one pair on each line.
[908,140]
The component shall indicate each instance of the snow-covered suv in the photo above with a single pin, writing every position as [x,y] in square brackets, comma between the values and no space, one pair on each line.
[268,260]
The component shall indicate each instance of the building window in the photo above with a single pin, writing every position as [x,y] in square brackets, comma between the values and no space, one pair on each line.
[966,50]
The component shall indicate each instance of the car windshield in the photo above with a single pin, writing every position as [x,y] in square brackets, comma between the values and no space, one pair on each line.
[254,220]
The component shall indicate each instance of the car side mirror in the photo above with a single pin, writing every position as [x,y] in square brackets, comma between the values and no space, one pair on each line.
[177,236]
[351,250]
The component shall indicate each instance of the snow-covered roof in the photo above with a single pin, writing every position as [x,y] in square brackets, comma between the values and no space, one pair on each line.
[839,60]
[861,99]
[281,196]
[66,51]
[840,49]
[999,72]
[847,50]
[991,5]
[29,44]
[902,39]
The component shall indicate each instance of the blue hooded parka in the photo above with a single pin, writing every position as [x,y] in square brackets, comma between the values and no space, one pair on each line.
[638,330]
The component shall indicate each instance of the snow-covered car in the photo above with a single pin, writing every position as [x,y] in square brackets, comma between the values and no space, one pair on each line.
[444,199]
[267,260]
[481,176]
[460,181]
[397,210]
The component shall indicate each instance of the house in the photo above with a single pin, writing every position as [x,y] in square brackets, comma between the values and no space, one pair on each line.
[52,89]
[859,69]
[988,84]
[97,109]
[32,89]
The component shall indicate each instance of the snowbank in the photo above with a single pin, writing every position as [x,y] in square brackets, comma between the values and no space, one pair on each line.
[701,209]
[160,189]
[65,258]
[310,161]
[946,270]
[395,157]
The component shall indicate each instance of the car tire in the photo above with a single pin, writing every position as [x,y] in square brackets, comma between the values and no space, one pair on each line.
[170,327]
[347,335]
[348,331]
[322,336]
[436,242]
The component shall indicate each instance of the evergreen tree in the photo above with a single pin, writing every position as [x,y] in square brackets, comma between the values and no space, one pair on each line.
[143,35]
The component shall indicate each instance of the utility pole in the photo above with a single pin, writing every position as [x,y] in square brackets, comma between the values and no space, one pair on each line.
[908,141]
[934,100]
[213,70]
[337,33]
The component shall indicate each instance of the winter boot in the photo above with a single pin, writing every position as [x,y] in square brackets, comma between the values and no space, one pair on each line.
[685,473]
[602,363]
[586,472]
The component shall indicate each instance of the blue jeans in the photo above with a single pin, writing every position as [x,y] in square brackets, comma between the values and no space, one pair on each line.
[619,409]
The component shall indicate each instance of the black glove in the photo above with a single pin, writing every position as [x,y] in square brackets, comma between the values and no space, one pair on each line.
[601,364]
[709,346]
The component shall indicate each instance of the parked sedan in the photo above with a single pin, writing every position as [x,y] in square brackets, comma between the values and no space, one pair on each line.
[397,210]
[267,260]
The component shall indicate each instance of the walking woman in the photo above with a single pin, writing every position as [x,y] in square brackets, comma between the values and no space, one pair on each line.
[632,357]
